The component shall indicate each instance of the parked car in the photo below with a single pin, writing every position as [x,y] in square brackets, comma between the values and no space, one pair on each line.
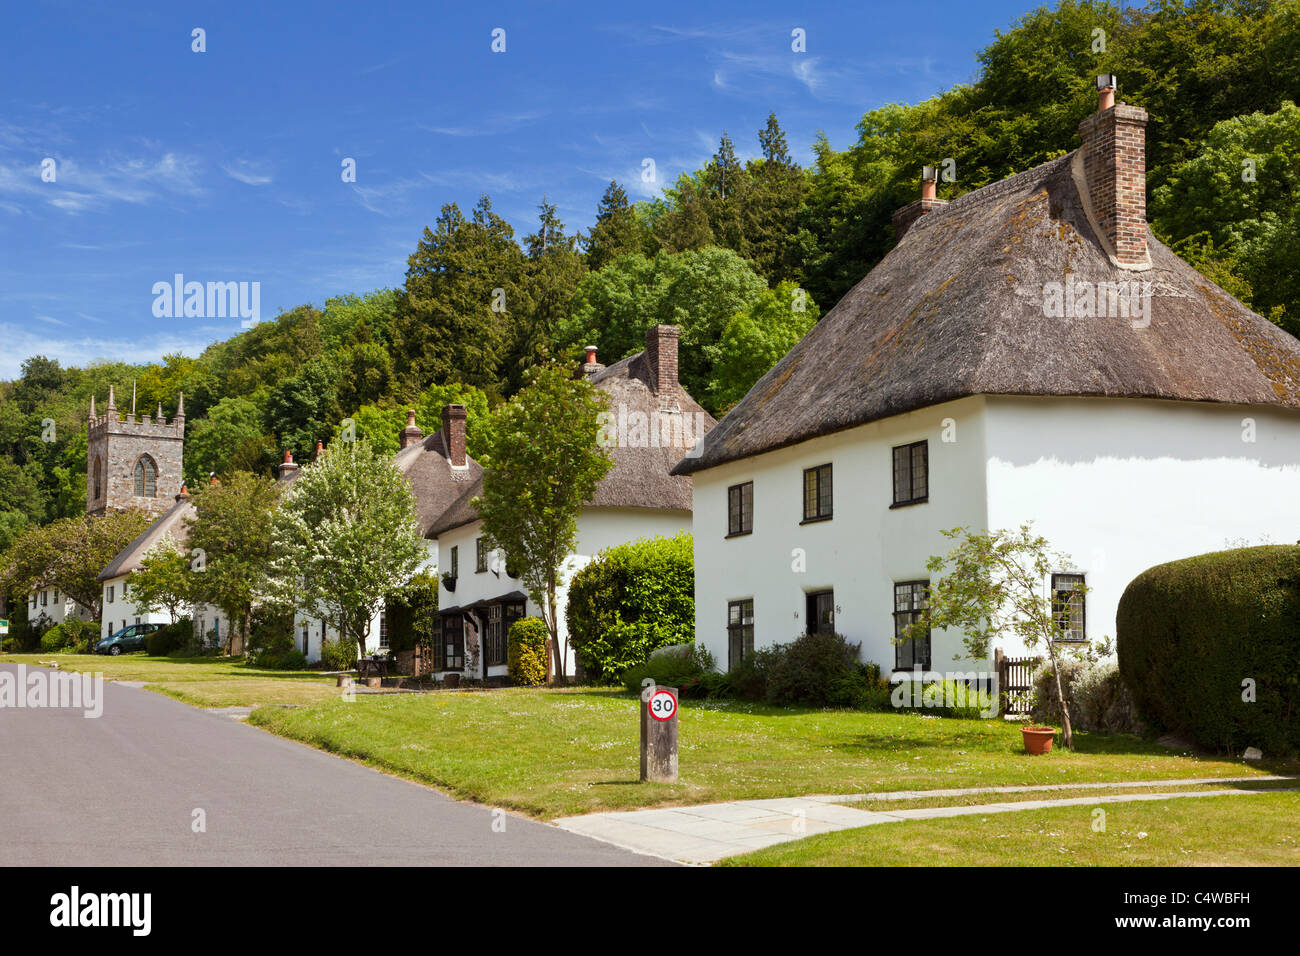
[129,638]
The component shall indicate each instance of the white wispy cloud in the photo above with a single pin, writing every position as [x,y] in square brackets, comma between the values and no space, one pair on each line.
[248,172]
[78,186]
[23,342]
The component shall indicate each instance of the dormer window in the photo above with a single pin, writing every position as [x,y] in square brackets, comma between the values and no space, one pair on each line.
[146,478]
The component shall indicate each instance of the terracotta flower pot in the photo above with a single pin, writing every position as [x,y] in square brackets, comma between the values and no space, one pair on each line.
[1038,740]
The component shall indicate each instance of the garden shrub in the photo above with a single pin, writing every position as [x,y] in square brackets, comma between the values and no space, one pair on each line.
[944,698]
[1192,633]
[629,601]
[270,631]
[338,655]
[1095,694]
[526,652]
[55,639]
[169,639]
[818,670]
[286,660]
[680,667]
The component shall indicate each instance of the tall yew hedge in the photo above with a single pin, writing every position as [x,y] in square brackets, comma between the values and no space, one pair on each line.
[632,599]
[1192,634]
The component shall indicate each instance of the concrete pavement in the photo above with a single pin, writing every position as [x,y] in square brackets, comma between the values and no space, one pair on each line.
[711,832]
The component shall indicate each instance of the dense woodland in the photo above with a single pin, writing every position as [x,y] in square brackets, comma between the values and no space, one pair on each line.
[743,256]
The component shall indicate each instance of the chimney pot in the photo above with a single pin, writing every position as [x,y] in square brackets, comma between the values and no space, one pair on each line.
[1112,162]
[411,433]
[288,467]
[929,200]
[453,434]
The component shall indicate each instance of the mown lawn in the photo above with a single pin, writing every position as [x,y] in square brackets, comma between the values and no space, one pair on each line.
[1202,831]
[201,681]
[556,753]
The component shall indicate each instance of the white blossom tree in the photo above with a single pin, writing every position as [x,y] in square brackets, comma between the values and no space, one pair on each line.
[345,536]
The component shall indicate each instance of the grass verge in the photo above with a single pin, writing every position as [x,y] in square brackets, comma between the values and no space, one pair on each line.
[553,753]
[1252,830]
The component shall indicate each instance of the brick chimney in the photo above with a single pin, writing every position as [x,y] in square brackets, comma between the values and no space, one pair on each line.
[1113,173]
[929,201]
[287,467]
[411,433]
[589,366]
[453,434]
[661,357]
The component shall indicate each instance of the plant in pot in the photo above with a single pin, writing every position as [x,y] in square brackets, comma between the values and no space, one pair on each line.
[449,581]
[995,585]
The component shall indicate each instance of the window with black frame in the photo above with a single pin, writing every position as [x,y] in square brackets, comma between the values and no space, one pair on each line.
[740,509]
[910,600]
[740,631]
[817,493]
[1069,608]
[480,555]
[453,642]
[912,473]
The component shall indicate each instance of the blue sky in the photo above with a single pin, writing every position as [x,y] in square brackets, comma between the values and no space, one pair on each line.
[225,165]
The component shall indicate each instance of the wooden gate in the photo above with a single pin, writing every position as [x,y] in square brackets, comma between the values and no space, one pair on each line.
[1015,682]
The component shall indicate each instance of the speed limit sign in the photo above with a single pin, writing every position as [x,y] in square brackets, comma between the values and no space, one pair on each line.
[662,705]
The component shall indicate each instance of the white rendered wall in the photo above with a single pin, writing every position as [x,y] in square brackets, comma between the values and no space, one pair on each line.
[598,529]
[120,611]
[1121,485]
[859,553]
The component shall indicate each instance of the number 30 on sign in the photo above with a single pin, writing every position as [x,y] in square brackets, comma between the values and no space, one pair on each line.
[663,705]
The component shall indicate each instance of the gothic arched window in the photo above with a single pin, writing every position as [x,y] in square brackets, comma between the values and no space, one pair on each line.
[146,478]
[99,477]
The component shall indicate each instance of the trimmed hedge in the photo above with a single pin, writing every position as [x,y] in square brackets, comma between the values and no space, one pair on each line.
[1191,632]
[526,652]
[632,599]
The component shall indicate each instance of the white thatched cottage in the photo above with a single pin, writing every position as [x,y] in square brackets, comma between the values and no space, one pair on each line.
[651,423]
[1027,352]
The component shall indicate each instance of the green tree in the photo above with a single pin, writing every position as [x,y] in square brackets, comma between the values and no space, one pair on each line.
[366,375]
[304,409]
[463,282]
[700,291]
[345,538]
[776,190]
[616,231]
[542,463]
[1241,194]
[756,338]
[162,582]
[230,548]
[993,585]
[231,438]
[69,554]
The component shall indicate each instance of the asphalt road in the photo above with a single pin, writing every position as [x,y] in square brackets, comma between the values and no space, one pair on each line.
[122,790]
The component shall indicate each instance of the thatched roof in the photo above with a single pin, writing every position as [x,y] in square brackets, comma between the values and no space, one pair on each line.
[436,484]
[641,476]
[171,522]
[956,309]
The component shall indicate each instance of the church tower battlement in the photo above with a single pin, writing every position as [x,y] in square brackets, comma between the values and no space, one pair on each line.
[133,462]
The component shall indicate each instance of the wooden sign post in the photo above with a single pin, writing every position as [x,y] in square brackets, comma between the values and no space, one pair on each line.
[659,734]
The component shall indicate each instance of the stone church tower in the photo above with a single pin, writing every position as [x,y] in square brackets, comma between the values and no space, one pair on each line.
[133,463]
